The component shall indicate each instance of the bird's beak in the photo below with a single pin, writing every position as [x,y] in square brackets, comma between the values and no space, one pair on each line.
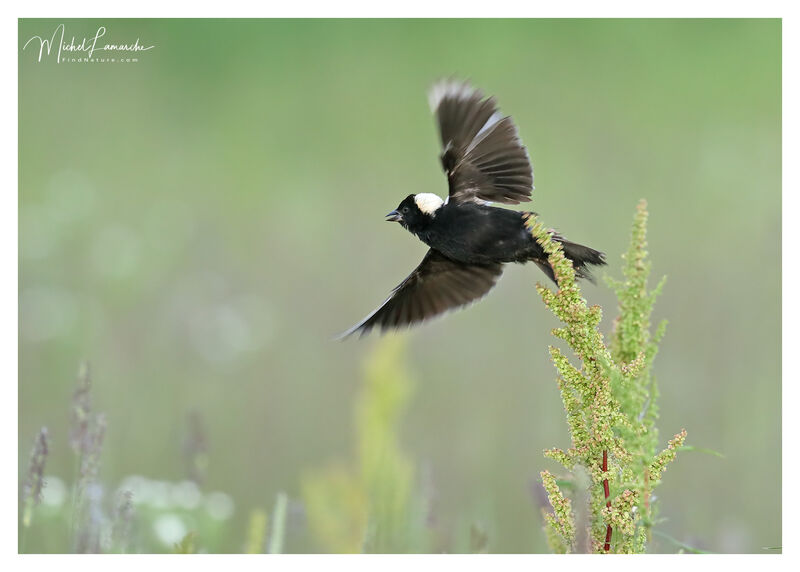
[394,216]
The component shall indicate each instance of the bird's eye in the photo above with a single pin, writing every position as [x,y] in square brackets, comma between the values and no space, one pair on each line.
[405,209]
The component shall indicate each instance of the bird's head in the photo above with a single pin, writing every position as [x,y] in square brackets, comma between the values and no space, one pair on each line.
[416,211]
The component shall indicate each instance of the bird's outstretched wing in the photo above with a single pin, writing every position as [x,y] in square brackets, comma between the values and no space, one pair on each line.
[438,284]
[482,153]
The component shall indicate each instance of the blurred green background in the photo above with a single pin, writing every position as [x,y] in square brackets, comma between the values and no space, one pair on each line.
[199,224]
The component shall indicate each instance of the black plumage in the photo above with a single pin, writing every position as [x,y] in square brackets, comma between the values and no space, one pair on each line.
[470,240]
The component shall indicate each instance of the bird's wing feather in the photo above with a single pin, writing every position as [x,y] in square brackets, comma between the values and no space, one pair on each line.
[482,154]
[438,284]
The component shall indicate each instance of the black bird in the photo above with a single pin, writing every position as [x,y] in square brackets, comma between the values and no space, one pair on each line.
[470,240]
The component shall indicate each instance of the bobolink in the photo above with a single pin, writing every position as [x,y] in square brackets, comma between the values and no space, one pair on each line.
[470,240]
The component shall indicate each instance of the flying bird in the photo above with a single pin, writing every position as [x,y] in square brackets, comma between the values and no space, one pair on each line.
[470,240]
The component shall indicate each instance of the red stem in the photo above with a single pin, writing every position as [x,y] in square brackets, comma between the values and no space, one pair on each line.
[607,545]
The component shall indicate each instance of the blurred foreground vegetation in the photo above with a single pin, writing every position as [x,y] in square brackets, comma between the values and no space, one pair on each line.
[377,502]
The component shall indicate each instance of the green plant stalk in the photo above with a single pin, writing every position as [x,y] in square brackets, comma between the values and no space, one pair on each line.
[34,483]
[610,402]
[256,531]
[278,533]
[386,470]
[370,504]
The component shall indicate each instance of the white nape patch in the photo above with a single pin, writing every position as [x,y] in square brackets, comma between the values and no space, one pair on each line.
[428,202]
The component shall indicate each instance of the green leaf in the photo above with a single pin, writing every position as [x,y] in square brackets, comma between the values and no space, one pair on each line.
[703,450]
[680,544]
[186,545]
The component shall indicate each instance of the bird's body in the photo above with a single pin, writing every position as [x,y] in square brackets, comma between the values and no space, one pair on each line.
[469,239]
[479,234]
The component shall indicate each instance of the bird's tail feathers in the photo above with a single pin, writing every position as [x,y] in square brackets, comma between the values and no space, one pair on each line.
[581,256]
